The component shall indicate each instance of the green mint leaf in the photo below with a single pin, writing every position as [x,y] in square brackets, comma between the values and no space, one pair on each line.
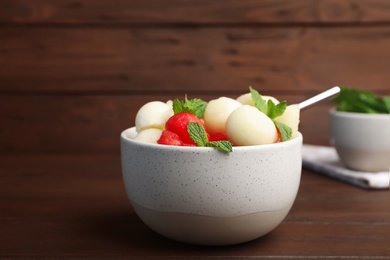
[194,106]
[285,131]
[272,111]
[260,103]
[373,102]
[267,107]
[276,110]
[197,133]
[223,146]
[177,106]
[199,136]
[386,101]
[360,101]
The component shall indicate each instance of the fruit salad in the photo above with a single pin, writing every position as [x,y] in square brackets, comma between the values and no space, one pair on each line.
[251,119]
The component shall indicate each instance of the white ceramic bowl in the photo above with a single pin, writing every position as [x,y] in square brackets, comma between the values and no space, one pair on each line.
[362,141]
[202,196]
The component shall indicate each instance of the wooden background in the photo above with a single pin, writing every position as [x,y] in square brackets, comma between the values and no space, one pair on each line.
[74,72]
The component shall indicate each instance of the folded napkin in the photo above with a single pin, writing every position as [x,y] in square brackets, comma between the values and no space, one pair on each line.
[324,159]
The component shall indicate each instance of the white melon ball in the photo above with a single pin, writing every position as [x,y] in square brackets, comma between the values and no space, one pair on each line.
[217,112]
[248,126]
[290,117]
[169,103]
[246,99]
[153,114]
[149,135]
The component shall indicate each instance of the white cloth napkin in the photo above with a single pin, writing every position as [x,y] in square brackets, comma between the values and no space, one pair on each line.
[324,159]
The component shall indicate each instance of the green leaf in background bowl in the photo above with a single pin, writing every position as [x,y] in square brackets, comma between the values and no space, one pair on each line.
[361,101]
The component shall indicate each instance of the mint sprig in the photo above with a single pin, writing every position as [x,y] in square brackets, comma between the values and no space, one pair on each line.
[194,106]
[223,146]
[197,133]
[276,110]
[361,101]
[285,131]
[272,111]
[386,101]
[199,136]
[260,103]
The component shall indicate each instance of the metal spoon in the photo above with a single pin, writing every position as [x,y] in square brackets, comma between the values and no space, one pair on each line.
[317,98]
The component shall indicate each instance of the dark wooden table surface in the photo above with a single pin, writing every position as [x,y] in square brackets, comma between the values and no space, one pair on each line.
[74,73]
[75,206]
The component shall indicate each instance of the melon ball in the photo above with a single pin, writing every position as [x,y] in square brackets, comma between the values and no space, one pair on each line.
[217,112]
[290,117]
[149,135]
[169,103]
[248,126]
[246,99]
[153,114]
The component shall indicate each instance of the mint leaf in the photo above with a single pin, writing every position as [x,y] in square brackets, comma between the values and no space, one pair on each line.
[223,146]
[199,136]
[260,103]
[360,101]
[272,111]
[197,133]
[267,107]
[386,100]
[177,106]
[276,110]
[285,131]
[194,106]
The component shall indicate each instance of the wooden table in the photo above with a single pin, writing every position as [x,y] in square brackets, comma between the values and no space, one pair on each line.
[74,73]
[75,206]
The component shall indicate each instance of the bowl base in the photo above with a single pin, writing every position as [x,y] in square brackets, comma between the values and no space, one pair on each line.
[364,160]
[208,230]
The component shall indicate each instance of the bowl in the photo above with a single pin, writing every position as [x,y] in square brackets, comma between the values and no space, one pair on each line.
[202,196]
[362,141]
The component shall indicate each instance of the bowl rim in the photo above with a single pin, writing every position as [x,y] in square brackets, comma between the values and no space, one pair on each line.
[124,138]
[335,112]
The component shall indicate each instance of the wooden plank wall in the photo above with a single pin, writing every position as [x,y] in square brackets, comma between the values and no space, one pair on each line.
[74,72]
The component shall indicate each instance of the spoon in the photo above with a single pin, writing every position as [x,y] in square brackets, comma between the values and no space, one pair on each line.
[319,97]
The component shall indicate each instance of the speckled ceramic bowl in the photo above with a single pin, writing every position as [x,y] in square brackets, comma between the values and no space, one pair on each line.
[202,196]
[362,141]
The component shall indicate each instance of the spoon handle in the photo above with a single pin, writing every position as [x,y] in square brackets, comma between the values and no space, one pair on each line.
[317,98]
